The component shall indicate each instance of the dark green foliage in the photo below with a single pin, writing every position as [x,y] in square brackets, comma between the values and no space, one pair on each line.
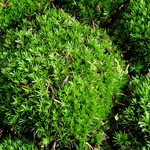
[13,143]
[132,32]
[98,11]
[34,66]
[133,125]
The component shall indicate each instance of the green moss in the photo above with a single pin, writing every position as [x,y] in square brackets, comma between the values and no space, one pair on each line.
[13,12]
[98,11]
[36,63]
[13,143]
[132,32]
[133,126]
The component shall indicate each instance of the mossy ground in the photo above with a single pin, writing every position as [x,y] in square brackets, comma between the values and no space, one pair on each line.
[63,81]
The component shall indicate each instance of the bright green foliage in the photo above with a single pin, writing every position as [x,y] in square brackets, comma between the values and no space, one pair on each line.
[13,143]
[12,12]
[135,120]
[133,30]
[97,10]
[34,66]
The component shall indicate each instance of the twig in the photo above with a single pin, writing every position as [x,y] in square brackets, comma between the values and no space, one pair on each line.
[122,94]
[22,86]
[103,123]
[65,81]
[45,8]
[105,138]
[1,133]
[53,92]
[98,8]
[54,146]
[53,5]
[56,99]
[121,6]
[19,42]
[118,103]
[96,118]
[89,145]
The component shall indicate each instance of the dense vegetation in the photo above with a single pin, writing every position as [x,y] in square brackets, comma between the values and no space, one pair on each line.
[132,125]
[74,74]
[13,143]
[90,12]
[131,32]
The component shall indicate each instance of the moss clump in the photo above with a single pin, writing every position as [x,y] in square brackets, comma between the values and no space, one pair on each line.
[13,143]
[98,11]
[57,82]
[133,125]
[13,12]
[132,32]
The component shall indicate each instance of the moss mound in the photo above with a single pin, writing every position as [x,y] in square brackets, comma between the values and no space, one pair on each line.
[98,11]
[57,80]
[13,12]
[13,143]
[133,124]
[132,32]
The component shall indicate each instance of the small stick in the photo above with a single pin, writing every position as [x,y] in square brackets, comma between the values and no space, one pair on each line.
[98,8]
[1,133]
[53,5]
[89,145]
[120,103]
[65,81]
[54,146]
[122,94]
[96,118]
[19,42]
[57,101]
[45,8]
[93,24]
[53,92]
[22,86]
[121,7]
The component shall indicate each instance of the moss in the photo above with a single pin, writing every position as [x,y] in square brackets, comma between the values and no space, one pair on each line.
[132,129]
[13,12]
[131,32]
[90,12]
[58,80]
[13,143]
